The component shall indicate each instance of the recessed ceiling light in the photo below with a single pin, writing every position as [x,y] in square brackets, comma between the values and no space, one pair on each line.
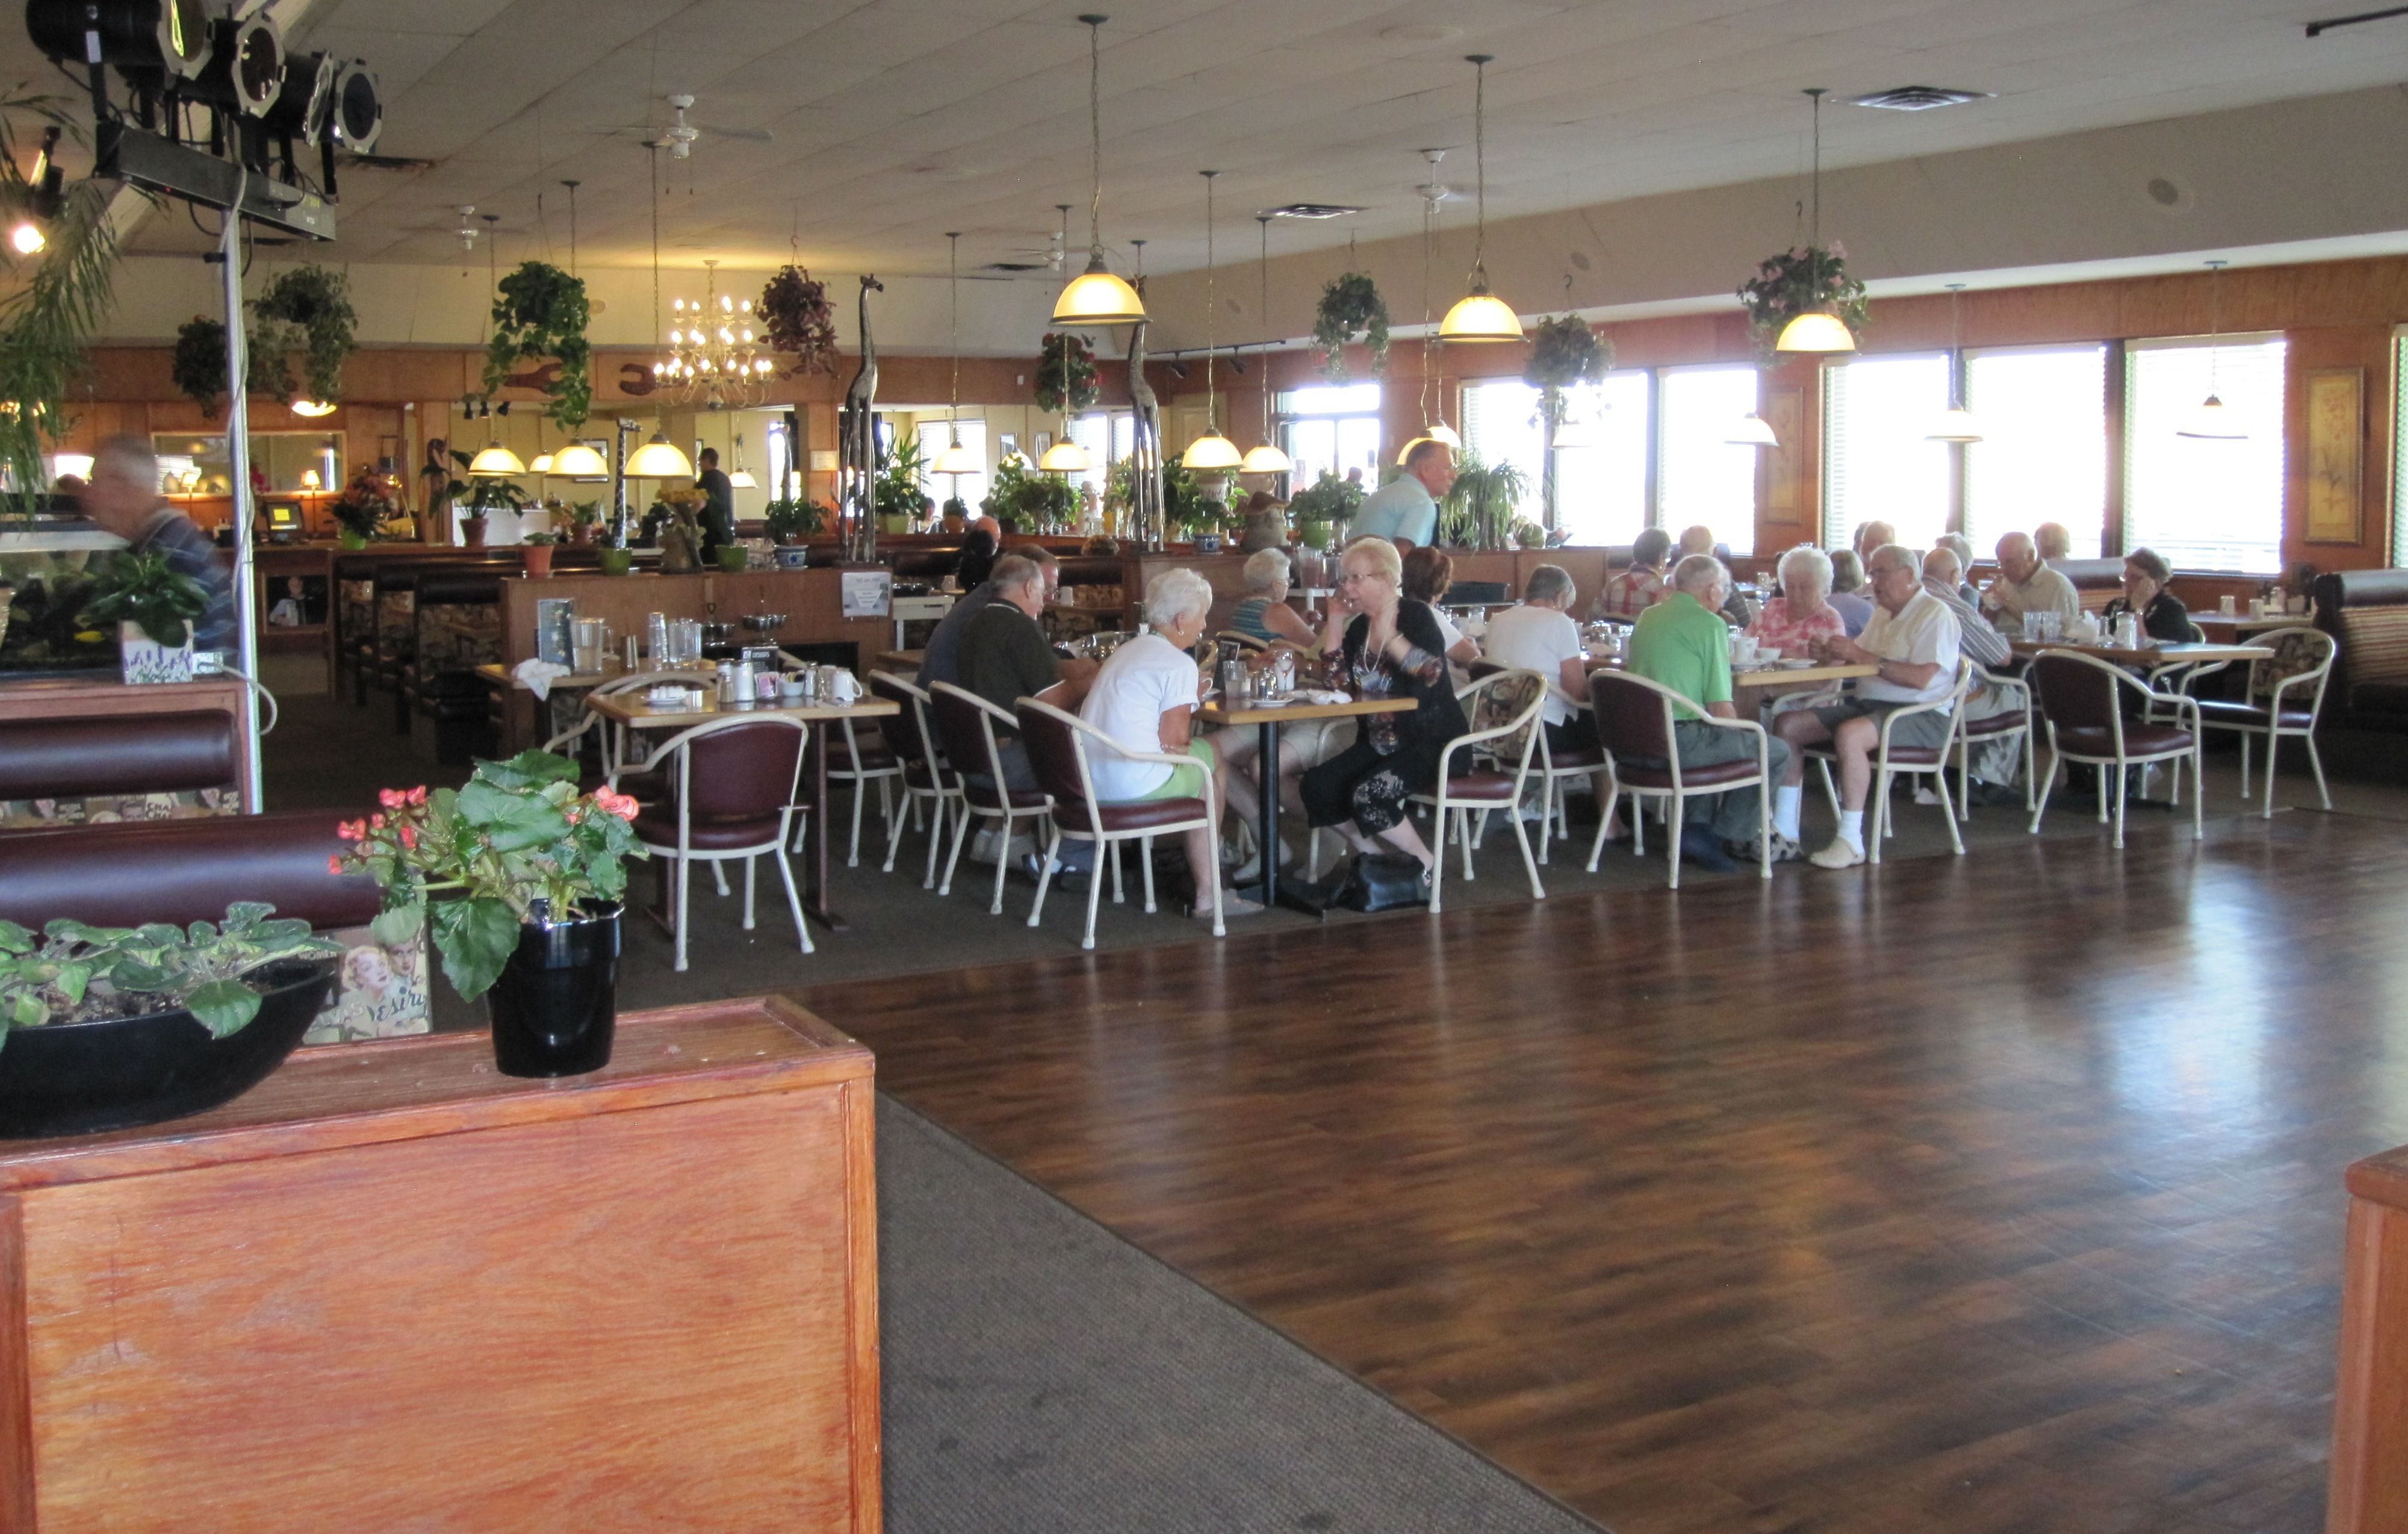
[1420,31]
[1917,99]
[1308,210]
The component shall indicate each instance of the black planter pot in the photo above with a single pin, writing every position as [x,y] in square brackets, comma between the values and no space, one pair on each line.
[555,1006]
[121,1073]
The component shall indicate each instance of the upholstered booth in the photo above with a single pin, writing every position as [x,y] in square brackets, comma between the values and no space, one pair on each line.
[2366,611]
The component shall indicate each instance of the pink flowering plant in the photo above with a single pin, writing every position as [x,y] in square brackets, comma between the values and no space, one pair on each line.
[516,844]
[1803,280]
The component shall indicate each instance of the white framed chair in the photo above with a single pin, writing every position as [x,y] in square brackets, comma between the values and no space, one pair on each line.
[1893,760]
[731,786]
[858,765]
[966,728]
[1634,723]
[1549,768]
[1459,794]
[1057,743]
[927,778]
[610,736]
[2284,698]
[1972,733]
[2080,701]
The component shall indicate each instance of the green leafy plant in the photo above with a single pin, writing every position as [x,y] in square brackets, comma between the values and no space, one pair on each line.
[144,590]
[900,469]
[1351,311]
[1801,280]
[365,506]
[197,366]
[76,972]
[1066,372]
[792,517]
[308,308]
[517,844]
[585,513]
[542,539]
[1023,500]
[1565,351]
[1478,508]
[800,321]
[1329,501]
[481,493]
[541,311]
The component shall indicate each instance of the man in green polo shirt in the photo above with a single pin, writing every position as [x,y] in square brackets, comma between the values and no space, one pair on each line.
[1682,643]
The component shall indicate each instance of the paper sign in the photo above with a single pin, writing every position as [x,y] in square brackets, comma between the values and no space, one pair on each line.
[867,593]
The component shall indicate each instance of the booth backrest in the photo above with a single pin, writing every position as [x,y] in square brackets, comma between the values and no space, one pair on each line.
[2366,611]
[2097,581]
[182,871]
[91,757]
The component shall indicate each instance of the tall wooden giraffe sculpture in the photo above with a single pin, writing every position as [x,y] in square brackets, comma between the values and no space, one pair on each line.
[856,429]
[1146,524]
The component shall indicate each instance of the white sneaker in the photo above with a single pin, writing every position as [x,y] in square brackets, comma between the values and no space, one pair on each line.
[1842,853]
[1925,795]
[1232,903]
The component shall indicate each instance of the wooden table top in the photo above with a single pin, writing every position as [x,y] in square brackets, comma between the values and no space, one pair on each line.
[501,676]
[2241,623]
[630,708]
[902,660]
[1767,676]
[2151,655]
[1213,713]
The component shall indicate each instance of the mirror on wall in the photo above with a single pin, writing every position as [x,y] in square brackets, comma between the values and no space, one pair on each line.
[281,463]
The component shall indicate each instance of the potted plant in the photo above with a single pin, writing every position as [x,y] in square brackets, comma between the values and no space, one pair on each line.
[1065,374]
[799,320]
[1802,280]
[534,874]
[535,549]
[361,511]
[584,522]
[153,606]
[1026,501]
[541,311]
[479,493]
[308,308]
[1564,353]
[1351,311]
[789,520]
[1322,506]
[734,558]
[613,556]
[1477,510]
[115,1028]
[896,497]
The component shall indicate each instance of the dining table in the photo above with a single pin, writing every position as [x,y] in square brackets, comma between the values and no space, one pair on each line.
[637,711]
[1759,679]
[1268,715]
[2152,656]
[2237,623]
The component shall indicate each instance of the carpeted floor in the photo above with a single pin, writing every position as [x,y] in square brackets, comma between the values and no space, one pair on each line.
[1043,1375]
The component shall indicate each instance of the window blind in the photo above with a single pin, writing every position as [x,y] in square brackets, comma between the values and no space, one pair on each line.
[2042,456]
[1702,476]
[2206,504]
[1879,463]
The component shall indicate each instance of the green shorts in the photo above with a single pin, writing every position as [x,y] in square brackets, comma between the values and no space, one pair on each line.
[1182,783]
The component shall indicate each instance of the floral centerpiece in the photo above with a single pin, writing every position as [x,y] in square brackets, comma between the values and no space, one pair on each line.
[362,509]
[1806,279]
[1065,374]
[800,321]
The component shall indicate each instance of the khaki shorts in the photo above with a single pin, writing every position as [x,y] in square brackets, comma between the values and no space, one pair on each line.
[1928,730]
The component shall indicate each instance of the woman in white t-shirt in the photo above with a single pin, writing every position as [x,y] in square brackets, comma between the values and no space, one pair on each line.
[1539,635]
[1144,698]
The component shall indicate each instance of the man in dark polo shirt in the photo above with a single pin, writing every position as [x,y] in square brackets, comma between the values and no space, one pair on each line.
[941,659]
[1005,657]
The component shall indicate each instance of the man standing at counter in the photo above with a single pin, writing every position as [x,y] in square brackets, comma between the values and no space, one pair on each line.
[123,498]
[1406,508]
[718,506]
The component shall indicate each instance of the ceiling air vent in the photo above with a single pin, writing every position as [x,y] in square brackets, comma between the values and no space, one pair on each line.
[1013,266]
[1310,210]
[1916,98]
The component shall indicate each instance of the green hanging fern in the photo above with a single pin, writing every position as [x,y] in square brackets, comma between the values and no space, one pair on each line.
[308,309]
[1565,351]
[541,311]
[1351,311]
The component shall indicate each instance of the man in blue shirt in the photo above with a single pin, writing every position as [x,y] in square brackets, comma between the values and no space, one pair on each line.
[123,498]
[1406,508]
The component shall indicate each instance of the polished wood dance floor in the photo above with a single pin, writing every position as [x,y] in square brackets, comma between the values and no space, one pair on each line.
[1989,1194]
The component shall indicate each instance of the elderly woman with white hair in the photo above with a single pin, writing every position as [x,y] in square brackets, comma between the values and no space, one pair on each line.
[1265,615]
[1803,613]
[1144,698]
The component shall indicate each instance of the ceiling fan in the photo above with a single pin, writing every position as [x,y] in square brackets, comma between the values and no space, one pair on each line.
[680,135]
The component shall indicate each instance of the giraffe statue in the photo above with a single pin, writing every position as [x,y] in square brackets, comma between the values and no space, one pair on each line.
[857,446]
[1145,477]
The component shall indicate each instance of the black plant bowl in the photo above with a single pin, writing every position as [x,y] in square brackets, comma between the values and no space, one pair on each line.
[120,1073]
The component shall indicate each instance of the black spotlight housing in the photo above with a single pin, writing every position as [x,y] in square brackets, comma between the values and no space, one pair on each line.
[174,37]
[246,67]
[357,117]
[302,103]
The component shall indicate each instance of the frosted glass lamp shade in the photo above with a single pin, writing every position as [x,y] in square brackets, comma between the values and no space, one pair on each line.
[1955,425]
[1211,452]
[1815,332]
[1753,431]
[2211,422]
[1267,459]
[313,409]
[579,461]
[1065,457]
[541,464]
[1481,317]
[742,479]
[495,460]
[955,459]
[1096,297]
[659,459]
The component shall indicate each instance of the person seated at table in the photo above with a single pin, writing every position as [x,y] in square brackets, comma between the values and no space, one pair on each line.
[1392,649]
[1538,635]
[1005,657]
[1962,547]
[1682,642]
[1912,640]
[1803,613]
[1628,592]
[975,563]
[1847,597]
[1943,576]
[941,660]
[1428,573]
[1997,760]
[1144,698]
[1265,614]
[2163,617]
[1869,537]
[2024,586]
[1699,540]
[2051,540]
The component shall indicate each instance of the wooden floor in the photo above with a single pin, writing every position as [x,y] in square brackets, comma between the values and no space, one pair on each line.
[1980,1195]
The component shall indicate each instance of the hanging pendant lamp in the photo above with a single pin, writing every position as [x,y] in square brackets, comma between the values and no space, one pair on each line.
[1752,431]
[2212,422]
[956,459]
[1479,316]
[1955,423]
[1065,457]
[1266,458]
[740,478]
[1211,453]
[659,459]
[1095,296]
[1816,330]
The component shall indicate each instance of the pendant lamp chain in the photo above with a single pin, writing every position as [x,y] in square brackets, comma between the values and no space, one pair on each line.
[1211,406]
[1095,133]
[2215,324]
[1263,222]
[953,281]
[1480,169]
[1814,221]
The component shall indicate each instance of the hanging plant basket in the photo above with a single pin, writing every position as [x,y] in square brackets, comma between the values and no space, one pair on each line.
[1802,280]
[800,319]
[307,309]
[1565,353]
[541,311]
[1065,374]
[198,366]
[1351,311]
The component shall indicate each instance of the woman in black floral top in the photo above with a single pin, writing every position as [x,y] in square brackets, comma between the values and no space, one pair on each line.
[1392,648]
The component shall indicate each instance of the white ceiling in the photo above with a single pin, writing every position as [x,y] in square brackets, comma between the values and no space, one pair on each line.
[897,120]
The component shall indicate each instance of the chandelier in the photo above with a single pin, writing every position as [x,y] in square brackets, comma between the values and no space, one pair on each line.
[713,356]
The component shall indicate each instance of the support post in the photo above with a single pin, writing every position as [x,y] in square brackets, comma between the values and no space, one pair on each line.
[245,603]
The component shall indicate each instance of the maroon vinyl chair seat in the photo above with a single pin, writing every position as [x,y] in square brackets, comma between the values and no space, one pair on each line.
[1486,768]
[127,755]
[1995,725]
[1058,743]
[657,824]
[1713,775]
[182,871]
[2214,712]
[1634,728]
[2140,740]
[1483,786]
[731,794]
[2081,700]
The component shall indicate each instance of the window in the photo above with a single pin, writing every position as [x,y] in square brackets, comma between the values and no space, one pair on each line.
[2042,456]
[972,488]
[1333,428]
[1879,463]
[1702,476]
[1094,432]
[1600,450]
[2206,504]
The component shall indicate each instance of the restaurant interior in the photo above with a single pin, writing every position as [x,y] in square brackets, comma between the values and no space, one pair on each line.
[574,581]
